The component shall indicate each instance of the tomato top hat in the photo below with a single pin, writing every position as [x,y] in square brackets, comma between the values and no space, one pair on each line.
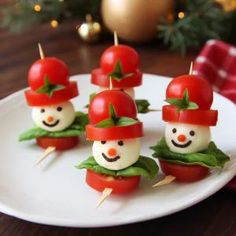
[119,62]
[190,99]
[113,115]
[49,83]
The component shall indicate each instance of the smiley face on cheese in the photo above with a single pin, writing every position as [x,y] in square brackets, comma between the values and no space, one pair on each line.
[116,154]
[187,138]
[54,117]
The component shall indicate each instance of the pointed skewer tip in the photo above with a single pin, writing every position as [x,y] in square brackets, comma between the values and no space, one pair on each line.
[41,53]
[46,153]
[105,194]
[115,39]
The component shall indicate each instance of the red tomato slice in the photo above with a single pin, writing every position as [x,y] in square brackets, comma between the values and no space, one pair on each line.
[114,133]
[170,113]
[184,173]
[119,185]
[36,99]
[63,143]
[102,79]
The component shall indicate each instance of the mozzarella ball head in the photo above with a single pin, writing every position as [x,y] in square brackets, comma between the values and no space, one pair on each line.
[54,117]
[129,91]
[187,138]
[116,154]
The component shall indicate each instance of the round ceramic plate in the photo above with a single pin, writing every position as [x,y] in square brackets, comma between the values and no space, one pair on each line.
[55,192]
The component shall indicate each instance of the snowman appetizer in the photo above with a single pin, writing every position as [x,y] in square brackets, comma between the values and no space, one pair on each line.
[186,151]
[56,122]
[116,162]
[120,64]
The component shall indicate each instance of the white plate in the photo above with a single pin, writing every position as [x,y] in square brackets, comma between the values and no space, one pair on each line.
[55,192]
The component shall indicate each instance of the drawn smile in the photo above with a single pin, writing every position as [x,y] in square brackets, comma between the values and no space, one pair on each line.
[51,125]
[110,159]
[181,145]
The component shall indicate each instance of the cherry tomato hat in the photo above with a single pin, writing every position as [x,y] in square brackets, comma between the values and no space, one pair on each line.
[49,83]
[190,98]
[113,116]
[121,63]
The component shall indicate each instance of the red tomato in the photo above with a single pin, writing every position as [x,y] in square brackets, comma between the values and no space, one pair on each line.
[114,133]
[127,56]
[199,90]
[170,113]
[36,99]
[55,69]
[119,185]
[184,173]
[63,143]
[122,103]
[98,77]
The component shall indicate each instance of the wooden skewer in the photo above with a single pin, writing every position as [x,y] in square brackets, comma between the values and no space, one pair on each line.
[105,194]
[191,68]
[41,53]
[116,43]
[167,180]
[154,109]
[47,152]
[110,83]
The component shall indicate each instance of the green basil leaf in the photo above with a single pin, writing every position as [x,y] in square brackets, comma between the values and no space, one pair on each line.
[183,103]
[107,123]
[32,134]
[212,157]
[142,105]
[145,166]
[48,88]
[126,121]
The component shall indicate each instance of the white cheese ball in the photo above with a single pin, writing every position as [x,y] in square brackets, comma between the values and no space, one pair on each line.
[118,154]
[187,138]
[55,117]
[129,91]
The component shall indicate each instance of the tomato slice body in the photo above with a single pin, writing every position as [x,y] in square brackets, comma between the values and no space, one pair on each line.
[63,143]
[114,133]
[36,99]
[98,77]
[119,185]
[170,113]
[184,173]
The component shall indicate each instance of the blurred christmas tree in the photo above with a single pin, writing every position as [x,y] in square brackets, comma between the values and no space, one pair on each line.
[20,15]
[194,21]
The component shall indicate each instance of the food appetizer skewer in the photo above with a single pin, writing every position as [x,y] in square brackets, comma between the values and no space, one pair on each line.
[186,150]
[116,163]
[121,64]
[57,125]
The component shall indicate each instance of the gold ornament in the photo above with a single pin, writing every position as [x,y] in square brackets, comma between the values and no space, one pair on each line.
[135,20]
[89,31]
[227,5]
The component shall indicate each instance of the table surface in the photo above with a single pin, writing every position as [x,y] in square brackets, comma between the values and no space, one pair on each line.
[213,216]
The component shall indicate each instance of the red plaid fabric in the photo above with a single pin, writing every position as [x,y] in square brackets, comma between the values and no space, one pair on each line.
[217,63]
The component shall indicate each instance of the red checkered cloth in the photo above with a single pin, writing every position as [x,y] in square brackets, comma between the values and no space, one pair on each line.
[217,63]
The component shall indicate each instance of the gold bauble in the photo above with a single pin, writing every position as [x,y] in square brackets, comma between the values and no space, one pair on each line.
[135,20]
[89,31]
[227,5]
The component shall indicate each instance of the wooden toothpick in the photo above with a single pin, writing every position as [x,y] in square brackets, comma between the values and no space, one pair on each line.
[191,68]
[110,83]
[105,194]
[41,53]
[115,39]
[167,180]
[47,152]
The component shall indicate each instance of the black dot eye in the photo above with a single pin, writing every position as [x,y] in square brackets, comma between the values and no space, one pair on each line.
[192,133]
[120,143]
[103,142]
[42,110]
[174,130]
[59,108]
